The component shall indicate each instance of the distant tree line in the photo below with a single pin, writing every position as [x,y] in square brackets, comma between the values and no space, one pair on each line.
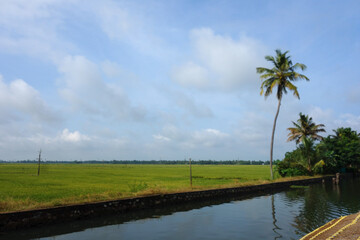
[169,162]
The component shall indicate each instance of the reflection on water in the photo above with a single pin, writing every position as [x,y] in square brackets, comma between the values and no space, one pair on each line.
[324,202]
[278,235]
[284,215]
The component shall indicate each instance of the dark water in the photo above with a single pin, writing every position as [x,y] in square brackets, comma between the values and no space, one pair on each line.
[283,215]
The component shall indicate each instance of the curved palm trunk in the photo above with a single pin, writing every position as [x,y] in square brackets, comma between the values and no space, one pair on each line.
[272,140]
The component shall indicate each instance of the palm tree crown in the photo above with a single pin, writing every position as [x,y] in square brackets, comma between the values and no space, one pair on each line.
[305,128]
[281,75]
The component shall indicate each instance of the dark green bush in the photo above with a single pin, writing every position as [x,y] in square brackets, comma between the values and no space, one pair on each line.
[291,165]
[290,170]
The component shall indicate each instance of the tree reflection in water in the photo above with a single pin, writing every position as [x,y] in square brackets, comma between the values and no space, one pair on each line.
[275,228]
[322,203]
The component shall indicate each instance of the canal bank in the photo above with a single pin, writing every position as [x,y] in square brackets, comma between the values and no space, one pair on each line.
[345,227]
[288,213]
[26,219]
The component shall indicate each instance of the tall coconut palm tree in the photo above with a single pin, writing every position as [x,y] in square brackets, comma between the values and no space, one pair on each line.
[305,128]
[280,77]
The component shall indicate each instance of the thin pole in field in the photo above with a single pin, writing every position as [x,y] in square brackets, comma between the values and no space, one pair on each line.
[39,162]
[190,172]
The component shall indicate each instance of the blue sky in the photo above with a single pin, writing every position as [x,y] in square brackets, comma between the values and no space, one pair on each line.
[168,79]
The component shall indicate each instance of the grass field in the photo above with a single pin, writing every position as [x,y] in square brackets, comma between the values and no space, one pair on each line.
[62,184]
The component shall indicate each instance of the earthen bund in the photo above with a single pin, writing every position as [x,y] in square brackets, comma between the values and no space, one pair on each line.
[25,219]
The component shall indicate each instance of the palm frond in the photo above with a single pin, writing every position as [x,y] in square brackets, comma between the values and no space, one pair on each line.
[271,59]
[305,130]
[300,76]
[268,91]
[266,84]
[261,70]
[267,75]
[299,65]
[293,88]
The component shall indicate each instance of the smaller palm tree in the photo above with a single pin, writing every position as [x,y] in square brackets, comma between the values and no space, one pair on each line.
[306,132]
[304,128]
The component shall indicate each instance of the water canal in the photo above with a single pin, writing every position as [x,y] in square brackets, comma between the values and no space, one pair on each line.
[288,214]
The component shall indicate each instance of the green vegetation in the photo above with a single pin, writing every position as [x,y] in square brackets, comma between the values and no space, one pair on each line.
[306,132]
[335,153]
[61,184]
[281,76]
[299,186]
[340,151]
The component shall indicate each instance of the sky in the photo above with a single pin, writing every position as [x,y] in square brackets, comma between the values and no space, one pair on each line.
[168,80]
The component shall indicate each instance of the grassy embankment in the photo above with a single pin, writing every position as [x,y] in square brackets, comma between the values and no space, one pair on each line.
[63,184]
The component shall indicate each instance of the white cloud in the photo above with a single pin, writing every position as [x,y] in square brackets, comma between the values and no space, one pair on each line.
[253,128]
[39,28]
[353,95]
[116,22]
[208,138]
[191,75]
[30,27]
[74,137]
[193,108]
[18,97]
[86,90]
[220,62]
[65,145]
[349,120]
[61,139]
[111,69]
[128,25]
[205,138]
[175,143]
[318,113]
[161,138]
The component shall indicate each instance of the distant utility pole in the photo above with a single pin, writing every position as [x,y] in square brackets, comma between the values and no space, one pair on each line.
[190,172]
[39,162]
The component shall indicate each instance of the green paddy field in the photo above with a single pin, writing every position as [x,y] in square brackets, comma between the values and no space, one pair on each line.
[63,184]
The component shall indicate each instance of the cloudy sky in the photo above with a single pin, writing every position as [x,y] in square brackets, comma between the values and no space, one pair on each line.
[157,80]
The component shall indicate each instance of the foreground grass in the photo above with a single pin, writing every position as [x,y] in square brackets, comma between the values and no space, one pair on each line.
[63,184]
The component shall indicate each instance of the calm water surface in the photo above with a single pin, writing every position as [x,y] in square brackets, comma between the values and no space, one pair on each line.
[284,215]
